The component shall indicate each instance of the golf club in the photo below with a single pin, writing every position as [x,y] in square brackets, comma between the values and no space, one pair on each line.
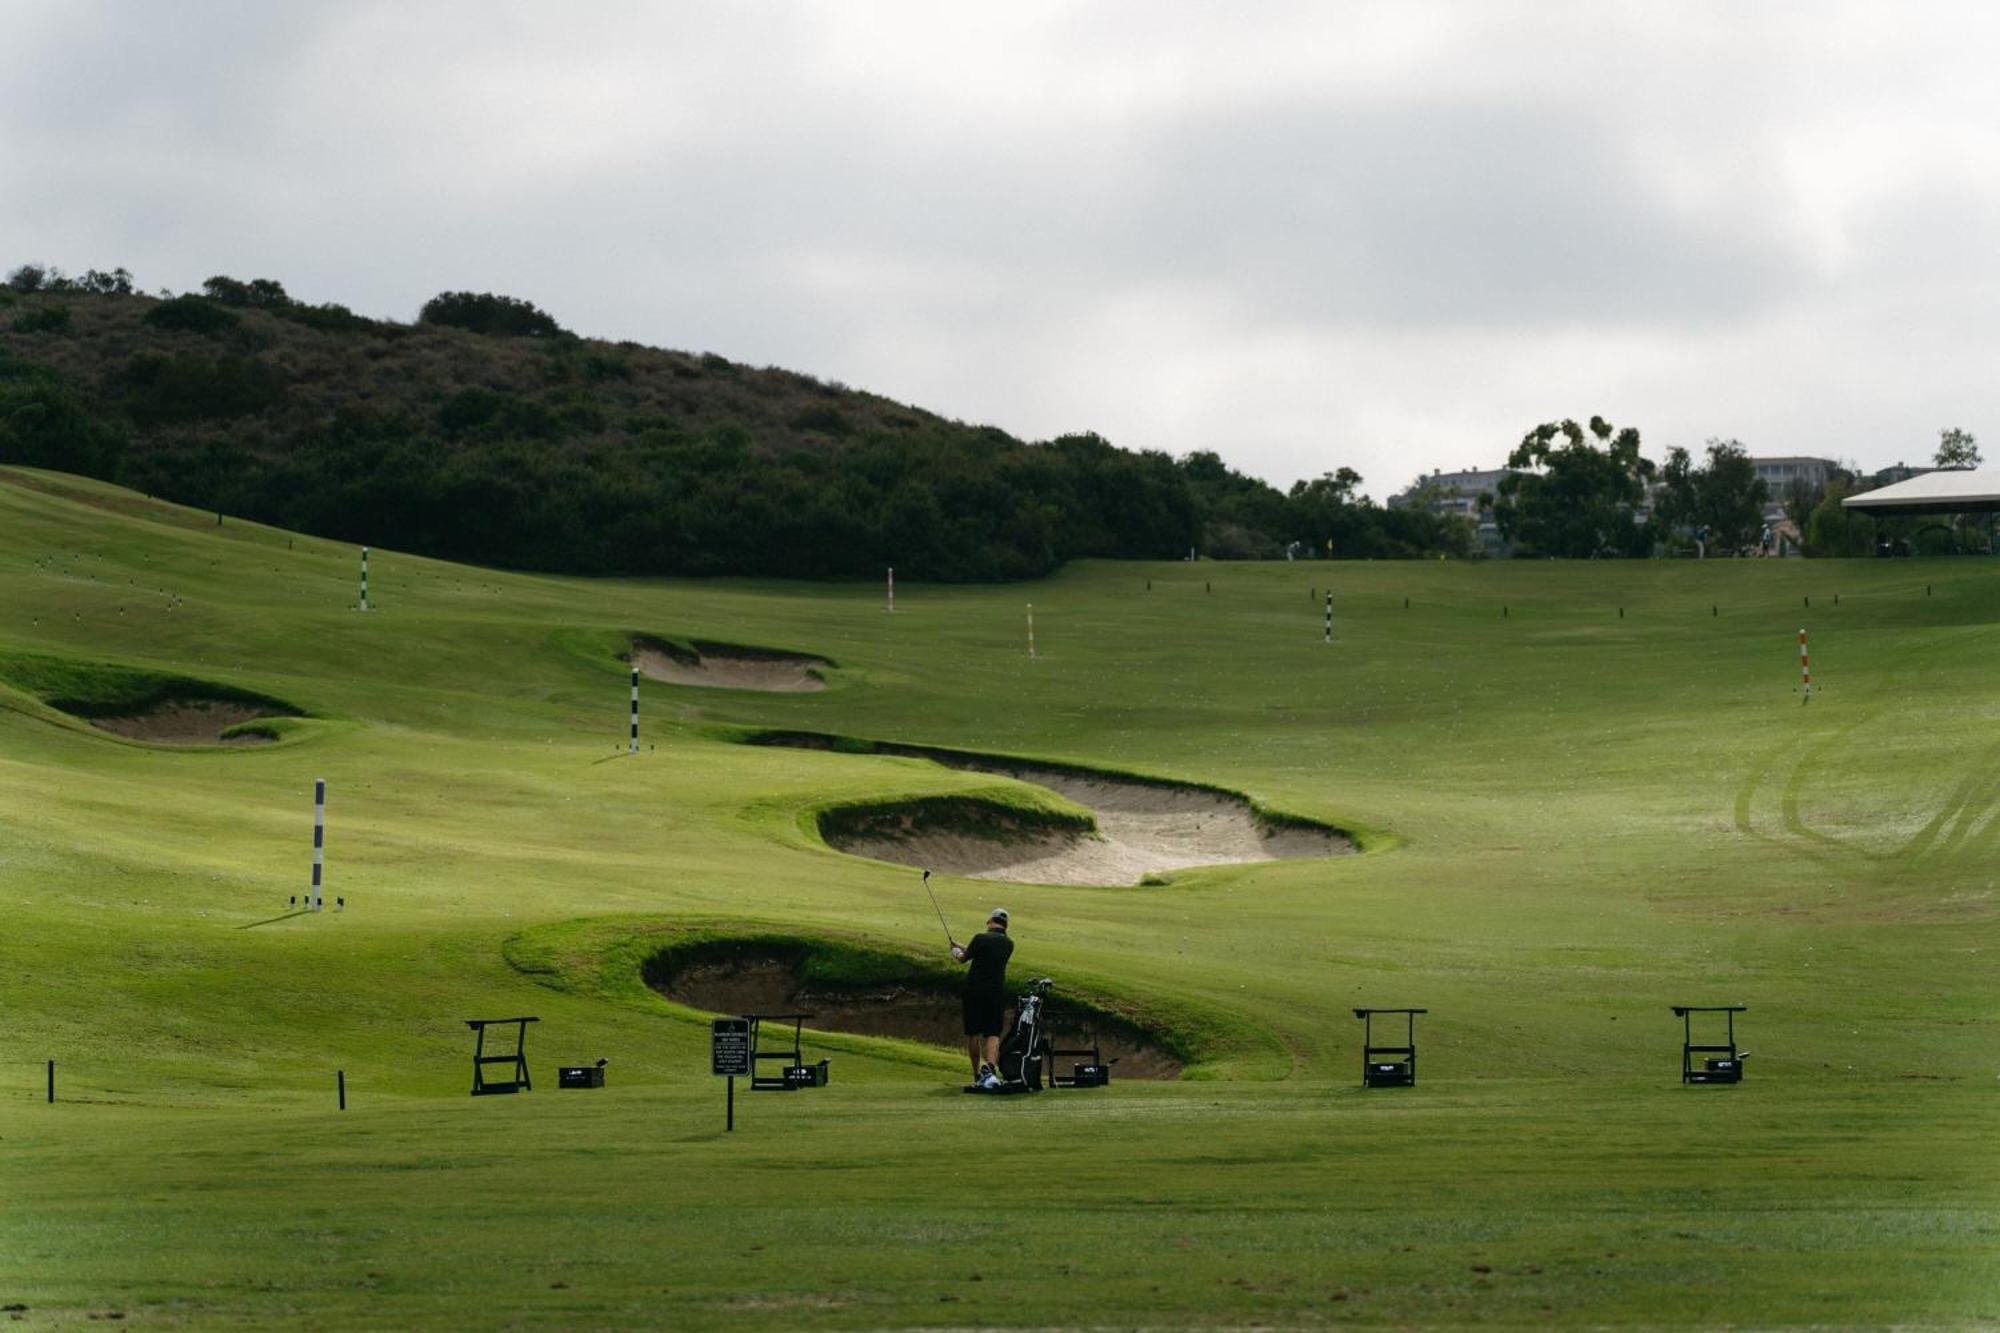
[939,910]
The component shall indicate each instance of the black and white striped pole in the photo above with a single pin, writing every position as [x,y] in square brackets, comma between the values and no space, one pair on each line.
[635,712]
[319,842]
[1329,617]
[364,578]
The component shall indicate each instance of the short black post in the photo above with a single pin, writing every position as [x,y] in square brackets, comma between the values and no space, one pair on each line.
[340,1086]
[1503,612]
[1406,603]
[1621,613]
[1714,610]
[1836,599]
[1808,600]
[52,1083]
[1206,586]
[1927,590]
[729,1112]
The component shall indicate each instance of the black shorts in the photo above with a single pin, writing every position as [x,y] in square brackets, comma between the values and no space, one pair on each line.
[985,1014]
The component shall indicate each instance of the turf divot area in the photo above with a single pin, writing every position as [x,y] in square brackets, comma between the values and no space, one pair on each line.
[1138,826]
[728,666]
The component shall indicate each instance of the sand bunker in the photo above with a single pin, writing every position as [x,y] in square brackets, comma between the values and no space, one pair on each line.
[766,982]
[190,722]
[721,666]
[1143,828]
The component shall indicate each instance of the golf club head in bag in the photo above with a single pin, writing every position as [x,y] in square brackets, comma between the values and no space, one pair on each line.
[1022,1050]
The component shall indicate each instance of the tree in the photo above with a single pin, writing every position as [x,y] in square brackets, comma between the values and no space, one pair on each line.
[1956,449]
[1330,518]
[495,316]
[190,314]
[28,278]
[1572,498]
[1725,497]
[262,293]
[1832,530]
[118,282]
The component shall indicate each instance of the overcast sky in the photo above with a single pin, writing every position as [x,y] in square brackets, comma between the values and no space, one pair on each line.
[1388,236]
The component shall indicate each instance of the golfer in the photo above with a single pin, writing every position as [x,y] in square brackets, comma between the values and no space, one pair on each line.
[986,956]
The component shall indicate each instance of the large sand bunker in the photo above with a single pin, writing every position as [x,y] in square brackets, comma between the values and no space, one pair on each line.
[143,704]
[756,978]
[723,666]
[192,722]
[1143,827]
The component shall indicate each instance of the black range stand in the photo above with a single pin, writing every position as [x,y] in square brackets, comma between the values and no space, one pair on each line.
[1720,1063]
[794,1073]
[486,1087]
[1093,1072]
[1399,1069]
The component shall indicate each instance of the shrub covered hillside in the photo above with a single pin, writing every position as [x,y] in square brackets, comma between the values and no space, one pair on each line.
[485,432]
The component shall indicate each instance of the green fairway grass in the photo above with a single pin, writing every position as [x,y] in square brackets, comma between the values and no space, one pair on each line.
[1570,821]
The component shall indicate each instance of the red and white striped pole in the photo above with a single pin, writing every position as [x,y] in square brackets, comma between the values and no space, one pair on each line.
[1805,671]
[1031,631]
[892,587]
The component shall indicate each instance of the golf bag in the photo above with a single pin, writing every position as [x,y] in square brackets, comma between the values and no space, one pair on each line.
[1024,1050]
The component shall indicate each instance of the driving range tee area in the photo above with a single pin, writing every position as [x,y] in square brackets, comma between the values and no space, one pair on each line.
[1701,976]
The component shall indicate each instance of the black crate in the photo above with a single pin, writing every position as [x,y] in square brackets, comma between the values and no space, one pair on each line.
[806,1076]
[1383,1074]
[1089,1076]
[580,1076]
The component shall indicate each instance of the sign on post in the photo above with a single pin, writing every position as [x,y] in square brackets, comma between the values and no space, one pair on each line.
[729,1047]
[729,1057]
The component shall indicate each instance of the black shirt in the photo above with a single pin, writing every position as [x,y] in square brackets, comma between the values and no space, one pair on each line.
[988,954]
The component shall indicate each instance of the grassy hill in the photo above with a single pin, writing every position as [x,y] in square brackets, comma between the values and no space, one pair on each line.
[551,452]
[484,432]
[1572,819]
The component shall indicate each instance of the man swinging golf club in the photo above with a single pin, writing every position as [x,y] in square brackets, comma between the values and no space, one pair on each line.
[986,956]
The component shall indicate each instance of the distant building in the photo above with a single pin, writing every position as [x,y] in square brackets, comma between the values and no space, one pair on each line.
[1889,476]
[1780,475]
[1784,476]
[1457,494]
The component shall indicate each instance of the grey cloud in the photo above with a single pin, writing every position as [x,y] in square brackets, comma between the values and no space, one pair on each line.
[1307,235]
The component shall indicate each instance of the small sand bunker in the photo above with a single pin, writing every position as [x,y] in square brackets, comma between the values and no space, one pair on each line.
[1143,828]
[721,666]
[771,981]
[191,722]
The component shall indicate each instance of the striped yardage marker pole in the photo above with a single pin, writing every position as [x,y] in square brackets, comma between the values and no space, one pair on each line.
[364,578]
[319,842]
[1805,670]
[892,587]
[635,711]
[1329,617]
[1031,631]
